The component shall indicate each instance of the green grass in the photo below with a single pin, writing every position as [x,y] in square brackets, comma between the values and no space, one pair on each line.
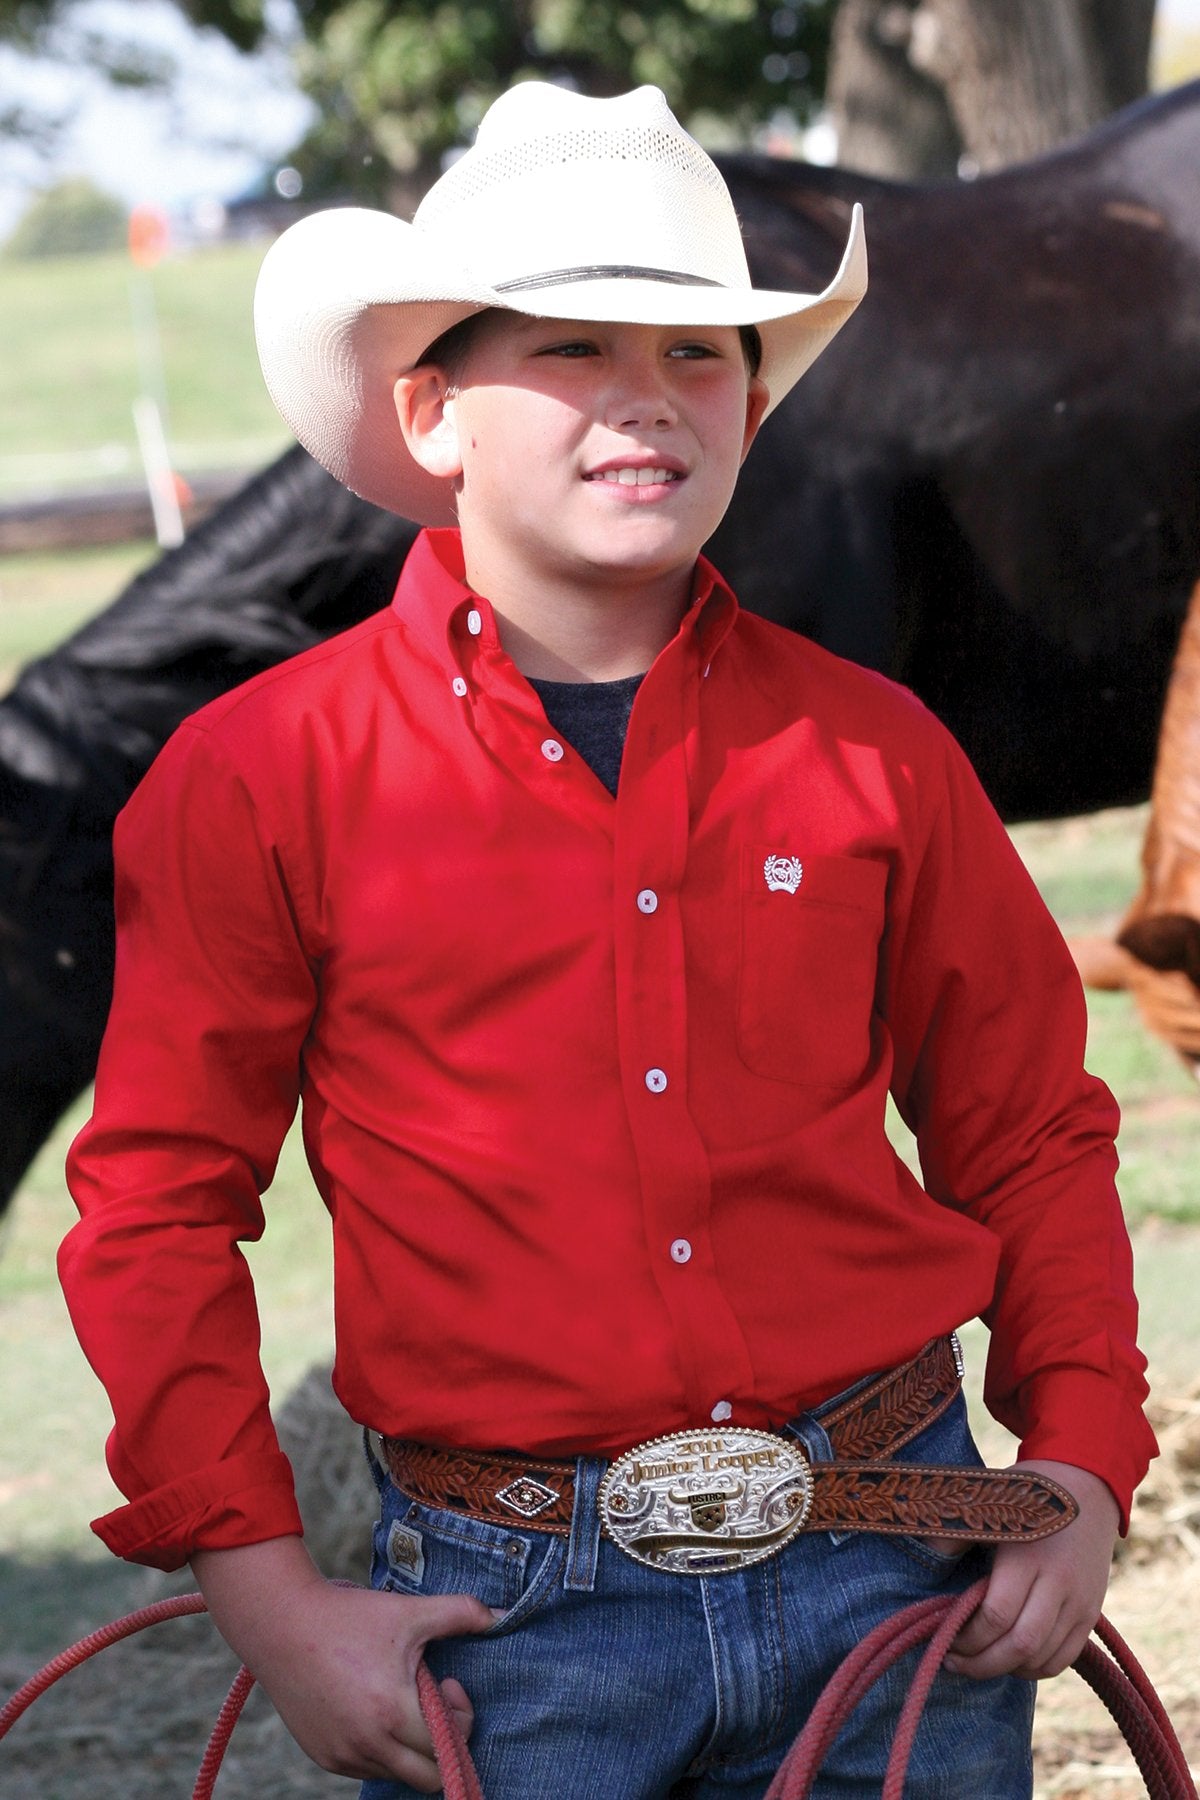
[45,597]
[1086,869]
[70,369]
[53,1414]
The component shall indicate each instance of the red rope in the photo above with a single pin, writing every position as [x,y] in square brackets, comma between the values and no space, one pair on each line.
[222,1731]
[459,1780]
[1113,1673]
[952,1619]
[1117,1678]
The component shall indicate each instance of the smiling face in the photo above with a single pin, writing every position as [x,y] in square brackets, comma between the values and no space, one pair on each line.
[585,454]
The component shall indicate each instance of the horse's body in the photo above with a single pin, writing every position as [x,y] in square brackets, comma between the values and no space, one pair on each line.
[987,487]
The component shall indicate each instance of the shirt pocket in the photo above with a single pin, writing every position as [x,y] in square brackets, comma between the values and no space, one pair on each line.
[810,933]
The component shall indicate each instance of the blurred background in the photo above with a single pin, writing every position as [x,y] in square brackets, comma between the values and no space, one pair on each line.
[149,151]
[213,122]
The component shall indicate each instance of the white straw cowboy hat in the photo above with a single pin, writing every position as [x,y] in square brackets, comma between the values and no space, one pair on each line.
[566,207]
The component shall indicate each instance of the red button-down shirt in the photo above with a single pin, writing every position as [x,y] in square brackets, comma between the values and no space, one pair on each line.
[593,1089]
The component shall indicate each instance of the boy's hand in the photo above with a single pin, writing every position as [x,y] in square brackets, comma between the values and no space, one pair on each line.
[339,1663]
[1043,1599]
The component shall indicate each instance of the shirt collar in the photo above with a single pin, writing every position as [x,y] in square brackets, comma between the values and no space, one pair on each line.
[435,603]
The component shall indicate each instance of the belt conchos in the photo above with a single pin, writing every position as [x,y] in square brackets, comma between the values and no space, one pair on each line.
[703,1502]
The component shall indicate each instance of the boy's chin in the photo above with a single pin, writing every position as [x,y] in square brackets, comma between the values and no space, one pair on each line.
[643,564]
[647,549]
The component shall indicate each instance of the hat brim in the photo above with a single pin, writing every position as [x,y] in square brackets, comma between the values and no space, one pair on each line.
[349,299]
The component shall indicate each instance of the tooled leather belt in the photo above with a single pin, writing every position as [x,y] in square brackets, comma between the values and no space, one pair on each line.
[721,1497]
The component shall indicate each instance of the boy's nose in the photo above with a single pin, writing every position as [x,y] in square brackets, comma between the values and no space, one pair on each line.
[640,397]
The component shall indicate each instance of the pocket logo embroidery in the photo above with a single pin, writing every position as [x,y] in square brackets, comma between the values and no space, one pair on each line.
[783,873]
[405,1550]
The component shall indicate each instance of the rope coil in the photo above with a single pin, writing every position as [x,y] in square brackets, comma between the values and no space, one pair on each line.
[1109,1667]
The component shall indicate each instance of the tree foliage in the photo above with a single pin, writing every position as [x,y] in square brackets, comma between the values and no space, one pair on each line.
[915,85]
[69,219]
[398,83]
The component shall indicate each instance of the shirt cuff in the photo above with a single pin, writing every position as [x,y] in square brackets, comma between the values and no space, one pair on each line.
[1084,1418]
[245,1500]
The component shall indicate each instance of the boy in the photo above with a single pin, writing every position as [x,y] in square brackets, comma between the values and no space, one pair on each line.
[593,1070]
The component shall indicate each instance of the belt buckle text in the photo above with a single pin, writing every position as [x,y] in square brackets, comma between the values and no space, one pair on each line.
[707,1501]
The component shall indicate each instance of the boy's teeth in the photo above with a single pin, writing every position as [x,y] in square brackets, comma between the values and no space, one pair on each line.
[637,477]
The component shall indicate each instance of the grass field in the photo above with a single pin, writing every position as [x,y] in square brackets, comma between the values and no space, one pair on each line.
[44,598]
[71,367]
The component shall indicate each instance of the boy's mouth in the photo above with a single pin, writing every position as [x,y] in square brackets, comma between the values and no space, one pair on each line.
[626,476]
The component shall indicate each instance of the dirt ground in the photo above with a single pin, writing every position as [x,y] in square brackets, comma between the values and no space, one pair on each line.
[1079,1751]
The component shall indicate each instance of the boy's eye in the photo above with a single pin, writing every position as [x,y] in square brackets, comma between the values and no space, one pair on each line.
[693,350]
[573,347]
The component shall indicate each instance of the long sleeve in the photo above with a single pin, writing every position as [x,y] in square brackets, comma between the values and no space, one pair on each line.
[197,1085]
[990,1026]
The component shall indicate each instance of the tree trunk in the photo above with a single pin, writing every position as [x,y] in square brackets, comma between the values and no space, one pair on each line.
[1019,75]
[914,84]
[1120,31]
[890,118]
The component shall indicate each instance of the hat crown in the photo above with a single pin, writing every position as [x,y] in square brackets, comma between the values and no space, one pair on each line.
[558,180]
[532,109]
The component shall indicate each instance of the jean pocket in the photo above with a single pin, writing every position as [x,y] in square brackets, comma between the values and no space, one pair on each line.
[810,934]
[946,1441]
[427,1550]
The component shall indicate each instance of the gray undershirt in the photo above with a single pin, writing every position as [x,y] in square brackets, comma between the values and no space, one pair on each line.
[593,717]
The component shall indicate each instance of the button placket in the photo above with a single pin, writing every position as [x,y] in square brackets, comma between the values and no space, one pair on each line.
[651,858]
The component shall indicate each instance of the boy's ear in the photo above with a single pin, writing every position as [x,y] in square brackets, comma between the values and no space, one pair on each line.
[425,409]
[757,397]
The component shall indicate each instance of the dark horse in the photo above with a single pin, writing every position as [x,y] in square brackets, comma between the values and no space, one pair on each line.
[989,487]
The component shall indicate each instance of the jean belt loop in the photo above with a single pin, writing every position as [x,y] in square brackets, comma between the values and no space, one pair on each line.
[379,1474]
[583,1546]
[812,1434]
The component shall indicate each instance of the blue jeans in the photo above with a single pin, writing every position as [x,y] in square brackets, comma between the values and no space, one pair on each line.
[606,1680]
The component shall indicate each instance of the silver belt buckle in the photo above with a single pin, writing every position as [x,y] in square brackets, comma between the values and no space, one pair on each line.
[704,1502]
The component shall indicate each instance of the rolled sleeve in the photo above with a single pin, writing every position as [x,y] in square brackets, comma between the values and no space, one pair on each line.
[245,1500]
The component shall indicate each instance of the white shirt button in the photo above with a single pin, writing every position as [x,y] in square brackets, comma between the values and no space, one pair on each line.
[552,750]
[656,1080]
[474,621]
[459,686]
[720,1412]
[647,901]
[681,1251]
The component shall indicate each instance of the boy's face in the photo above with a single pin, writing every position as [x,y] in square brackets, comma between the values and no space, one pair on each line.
[587,452]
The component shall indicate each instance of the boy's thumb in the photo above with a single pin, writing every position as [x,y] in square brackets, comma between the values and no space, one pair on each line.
[455,1615]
